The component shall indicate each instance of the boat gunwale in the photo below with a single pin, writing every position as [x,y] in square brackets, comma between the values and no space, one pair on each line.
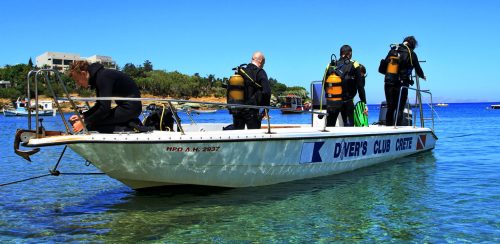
[188,139]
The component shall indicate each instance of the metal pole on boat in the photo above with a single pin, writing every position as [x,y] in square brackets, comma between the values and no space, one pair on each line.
[54,96]
[432,109]
[419,101]
[70,101]
[176,117]
[266,111]
[36,104]
[419,97]
[29,95]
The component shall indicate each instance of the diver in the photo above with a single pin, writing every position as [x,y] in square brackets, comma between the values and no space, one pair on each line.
[255,89]
[107,83]
[397,68]
[340,101]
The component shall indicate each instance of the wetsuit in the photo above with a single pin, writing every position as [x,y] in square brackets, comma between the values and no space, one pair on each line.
[112,83]
[393,84]
[254,95]
[352,83]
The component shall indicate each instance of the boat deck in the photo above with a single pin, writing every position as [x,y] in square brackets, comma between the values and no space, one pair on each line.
[213,132]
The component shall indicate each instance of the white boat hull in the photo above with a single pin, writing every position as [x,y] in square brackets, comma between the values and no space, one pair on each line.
[15,112]
[242,158]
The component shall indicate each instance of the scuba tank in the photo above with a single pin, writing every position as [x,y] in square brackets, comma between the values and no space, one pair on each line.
[393,62]
[333,82]
[236,88]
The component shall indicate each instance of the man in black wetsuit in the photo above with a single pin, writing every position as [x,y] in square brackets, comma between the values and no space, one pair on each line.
[393,82]
[257,92]
[352,83]
[107,83]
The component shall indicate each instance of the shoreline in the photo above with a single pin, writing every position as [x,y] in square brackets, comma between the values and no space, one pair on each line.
[67,109]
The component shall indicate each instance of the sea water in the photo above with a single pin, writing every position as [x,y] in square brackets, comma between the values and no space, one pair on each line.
[450,194]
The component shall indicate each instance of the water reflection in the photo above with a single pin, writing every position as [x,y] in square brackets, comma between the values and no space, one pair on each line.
[385,199]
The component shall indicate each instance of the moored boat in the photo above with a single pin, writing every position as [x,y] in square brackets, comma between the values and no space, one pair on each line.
[204,111]
[21,108]
[291,104]
[206,154]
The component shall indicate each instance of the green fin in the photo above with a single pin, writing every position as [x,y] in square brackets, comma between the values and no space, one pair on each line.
[360,119]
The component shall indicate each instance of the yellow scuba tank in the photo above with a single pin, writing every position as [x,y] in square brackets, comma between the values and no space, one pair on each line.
[236,87]
[333,83]
[393,64]
[235,90]
[334,88]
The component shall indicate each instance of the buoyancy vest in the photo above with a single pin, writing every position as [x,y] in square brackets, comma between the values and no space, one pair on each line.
[399,64]
[347,67]
[253,89]
[340,83]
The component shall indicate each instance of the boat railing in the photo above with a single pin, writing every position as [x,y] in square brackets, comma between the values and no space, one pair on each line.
[418,102]
[45,73]
[169,101]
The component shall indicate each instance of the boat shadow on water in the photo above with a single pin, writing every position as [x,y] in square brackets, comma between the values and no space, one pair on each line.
[170,197]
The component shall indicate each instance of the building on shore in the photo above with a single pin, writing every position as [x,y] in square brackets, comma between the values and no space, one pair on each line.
[62,61]
[4,84]
[107,61]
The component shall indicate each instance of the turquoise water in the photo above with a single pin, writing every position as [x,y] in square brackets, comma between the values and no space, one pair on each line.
[451,194]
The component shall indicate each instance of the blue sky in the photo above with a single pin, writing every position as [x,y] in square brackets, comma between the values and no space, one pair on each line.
[456,38]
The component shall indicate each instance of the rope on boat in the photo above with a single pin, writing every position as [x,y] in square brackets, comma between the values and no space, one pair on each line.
[19,181]
[53,172]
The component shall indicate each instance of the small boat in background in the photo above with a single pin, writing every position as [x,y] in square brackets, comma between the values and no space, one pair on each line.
[291,104]
[204,111]
[21,107]
[495,106]
[442,105]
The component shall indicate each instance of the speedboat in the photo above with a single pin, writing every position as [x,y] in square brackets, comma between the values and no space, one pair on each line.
[206,154]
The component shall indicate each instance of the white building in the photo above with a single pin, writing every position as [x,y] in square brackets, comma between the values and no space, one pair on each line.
[56,60]
[4,83]
[107,61]
[62,61]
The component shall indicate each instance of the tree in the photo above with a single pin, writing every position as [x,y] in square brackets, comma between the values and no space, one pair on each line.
[297,90]
[148,66]
[155,82]
[131,70]
[276,87]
